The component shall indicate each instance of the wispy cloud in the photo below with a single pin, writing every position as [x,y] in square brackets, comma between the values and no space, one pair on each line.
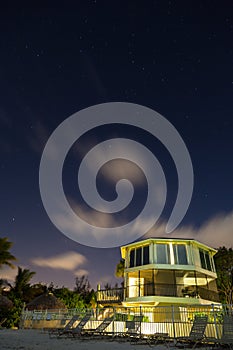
[90,233]
[216,232]
[106,279]
[123,169]
[67,261]
[8,273]
[119,168]
[81,272]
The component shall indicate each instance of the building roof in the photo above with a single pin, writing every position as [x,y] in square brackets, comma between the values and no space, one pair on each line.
[44,302]
[165,239]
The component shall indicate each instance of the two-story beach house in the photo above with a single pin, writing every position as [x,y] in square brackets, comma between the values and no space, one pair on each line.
[164,271]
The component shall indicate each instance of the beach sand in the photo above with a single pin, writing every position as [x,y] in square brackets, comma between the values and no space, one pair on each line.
[28,339]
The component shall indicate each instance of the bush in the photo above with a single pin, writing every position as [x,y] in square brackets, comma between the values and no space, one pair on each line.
[13,315]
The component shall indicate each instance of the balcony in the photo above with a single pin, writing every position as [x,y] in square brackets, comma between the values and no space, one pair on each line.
[110,295]
[208,294]
[117,295]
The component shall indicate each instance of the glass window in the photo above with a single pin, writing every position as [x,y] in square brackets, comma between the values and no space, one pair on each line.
[212,264]
[162,254]
[207,259]
[146,255]
[180,254]
[132,255]
[202,258]
[138,256]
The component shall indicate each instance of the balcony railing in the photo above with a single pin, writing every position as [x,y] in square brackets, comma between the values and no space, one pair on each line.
[208,294]
[155,289]
[110,295]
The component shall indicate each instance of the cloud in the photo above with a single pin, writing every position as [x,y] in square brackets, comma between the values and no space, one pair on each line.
[67,223]
[91,235]
[106,279]
[8,273]
[118,168]
[216,232]
[68,261]
[123,169]
[81,272]
[93,217]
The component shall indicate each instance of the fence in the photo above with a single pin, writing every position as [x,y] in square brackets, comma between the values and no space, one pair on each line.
[175,320]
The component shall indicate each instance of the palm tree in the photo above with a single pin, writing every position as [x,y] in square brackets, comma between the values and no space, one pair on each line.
[5,256]
[22,288]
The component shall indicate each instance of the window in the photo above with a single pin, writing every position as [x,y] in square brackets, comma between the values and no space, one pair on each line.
[162,254]
[180,254]
[139,256]
[132,255]
[146,255]
[202,258]
[205,260]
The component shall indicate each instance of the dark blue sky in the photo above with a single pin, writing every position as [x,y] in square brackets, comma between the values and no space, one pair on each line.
[175,57]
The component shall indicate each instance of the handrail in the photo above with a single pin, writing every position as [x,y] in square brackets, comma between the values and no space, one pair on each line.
[157,289]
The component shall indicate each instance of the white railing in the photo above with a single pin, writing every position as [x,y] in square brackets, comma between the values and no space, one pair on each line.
[176,320]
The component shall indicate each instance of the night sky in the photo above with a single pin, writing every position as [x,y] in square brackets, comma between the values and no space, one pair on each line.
[175,57]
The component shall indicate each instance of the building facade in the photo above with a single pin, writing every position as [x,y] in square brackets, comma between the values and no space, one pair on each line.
[162,271]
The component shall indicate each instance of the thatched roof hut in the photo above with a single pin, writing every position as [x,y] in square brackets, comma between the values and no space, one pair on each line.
[5,303]
[46,301]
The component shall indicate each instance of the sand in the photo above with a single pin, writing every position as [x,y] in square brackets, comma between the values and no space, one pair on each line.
[28,339]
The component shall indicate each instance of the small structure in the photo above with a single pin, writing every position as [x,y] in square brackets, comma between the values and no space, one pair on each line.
[46,301]
[45,311]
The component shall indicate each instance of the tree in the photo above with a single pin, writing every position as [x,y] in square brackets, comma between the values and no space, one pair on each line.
[38,289]
[107,286]
[224,268]
[22,288]
[13,315]
[92,299]
[82,285]
[71,299]
[120,269]
[3,284]
[5,256]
